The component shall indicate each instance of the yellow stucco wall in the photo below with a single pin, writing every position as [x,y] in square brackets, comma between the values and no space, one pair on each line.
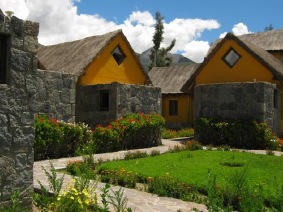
[247,69]
[185,115]
[104,69]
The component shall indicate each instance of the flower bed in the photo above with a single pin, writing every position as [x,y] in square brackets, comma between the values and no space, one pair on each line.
[56,139]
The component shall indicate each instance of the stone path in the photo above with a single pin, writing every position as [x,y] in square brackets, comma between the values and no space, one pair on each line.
[137,200]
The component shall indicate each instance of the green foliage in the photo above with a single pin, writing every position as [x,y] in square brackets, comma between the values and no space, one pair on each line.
[158,56]
[16,204]
[131,131]
[135,155]
[79,196]
[44,199]
[242,178]
[245,134]
[76,198]
[193,145]
[54,139]
[169,133]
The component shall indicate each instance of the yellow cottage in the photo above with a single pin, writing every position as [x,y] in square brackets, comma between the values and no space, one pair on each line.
[110,80]
[177,103]
[96,60]
[242,77]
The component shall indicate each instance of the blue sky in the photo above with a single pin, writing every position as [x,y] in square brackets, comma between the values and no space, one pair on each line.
[195,24]
[254,14]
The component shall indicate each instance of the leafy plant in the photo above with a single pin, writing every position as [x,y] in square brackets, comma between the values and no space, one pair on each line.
[132,131]
[135,155]
[56,139]
[118,201]
[245,134]
[48,195]
[193,145]
[170,133]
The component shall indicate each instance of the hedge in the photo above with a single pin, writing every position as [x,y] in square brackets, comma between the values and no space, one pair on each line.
[237,133]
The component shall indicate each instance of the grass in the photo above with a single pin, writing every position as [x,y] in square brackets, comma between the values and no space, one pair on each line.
[170,133]
[192,167]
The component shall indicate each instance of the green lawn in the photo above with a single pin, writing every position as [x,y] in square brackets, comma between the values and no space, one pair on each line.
[193,167]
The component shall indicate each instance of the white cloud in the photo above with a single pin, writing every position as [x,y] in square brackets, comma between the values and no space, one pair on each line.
[196,50]
[238,29]
[60,22]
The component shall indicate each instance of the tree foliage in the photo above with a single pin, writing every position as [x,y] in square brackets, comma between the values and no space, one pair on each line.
[158,55]
[268,28]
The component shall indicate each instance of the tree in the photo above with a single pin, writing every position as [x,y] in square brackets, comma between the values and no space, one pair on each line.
[268,28]
[158,56]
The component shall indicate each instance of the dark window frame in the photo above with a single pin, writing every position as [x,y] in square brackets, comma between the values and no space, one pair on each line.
[118,55]
[104,100]
[173,107]
[5,46]
[231,65]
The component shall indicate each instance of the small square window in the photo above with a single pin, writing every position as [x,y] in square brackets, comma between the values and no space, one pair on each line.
[104,100]
[118,55]
[4,52]
[231,57]
[173,107]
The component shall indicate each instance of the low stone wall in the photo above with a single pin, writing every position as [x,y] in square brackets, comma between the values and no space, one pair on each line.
[16,111]
[256,100]
[123,98]
[55,95]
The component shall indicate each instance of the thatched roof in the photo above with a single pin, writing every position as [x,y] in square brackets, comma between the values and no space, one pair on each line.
[75,56]
[271,40]
[171,79]
[274,65]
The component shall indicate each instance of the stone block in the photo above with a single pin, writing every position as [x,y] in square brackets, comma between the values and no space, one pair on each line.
[31,28]
[17,27]
[20,61]
[30,44]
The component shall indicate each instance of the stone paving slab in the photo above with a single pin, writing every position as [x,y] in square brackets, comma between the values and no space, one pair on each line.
[139,201]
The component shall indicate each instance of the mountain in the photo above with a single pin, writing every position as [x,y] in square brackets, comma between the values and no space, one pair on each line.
[177,58]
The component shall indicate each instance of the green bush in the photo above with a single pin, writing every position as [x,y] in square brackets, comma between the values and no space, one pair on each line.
[170,133]
[131,131]
[54,139]
[246,134]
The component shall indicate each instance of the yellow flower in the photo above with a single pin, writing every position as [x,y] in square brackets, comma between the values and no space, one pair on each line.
[87,202]
[80,201]
[58,198]
[72,198]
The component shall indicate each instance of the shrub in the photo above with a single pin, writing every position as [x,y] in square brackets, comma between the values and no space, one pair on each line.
[131,131]
[246,134]
[56,139]
[193,145]
[170,133]
[135,155]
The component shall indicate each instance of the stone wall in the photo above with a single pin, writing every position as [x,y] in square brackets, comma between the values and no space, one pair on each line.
[257,100]
[16,111]
[56,95]
[122,99]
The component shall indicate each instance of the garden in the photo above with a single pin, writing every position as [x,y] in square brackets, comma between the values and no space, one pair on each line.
[210,171]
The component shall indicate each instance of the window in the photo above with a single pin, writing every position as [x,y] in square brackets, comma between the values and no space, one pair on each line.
[173,107]
[104,100]
[118,55]
[4,45]
[231,57]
